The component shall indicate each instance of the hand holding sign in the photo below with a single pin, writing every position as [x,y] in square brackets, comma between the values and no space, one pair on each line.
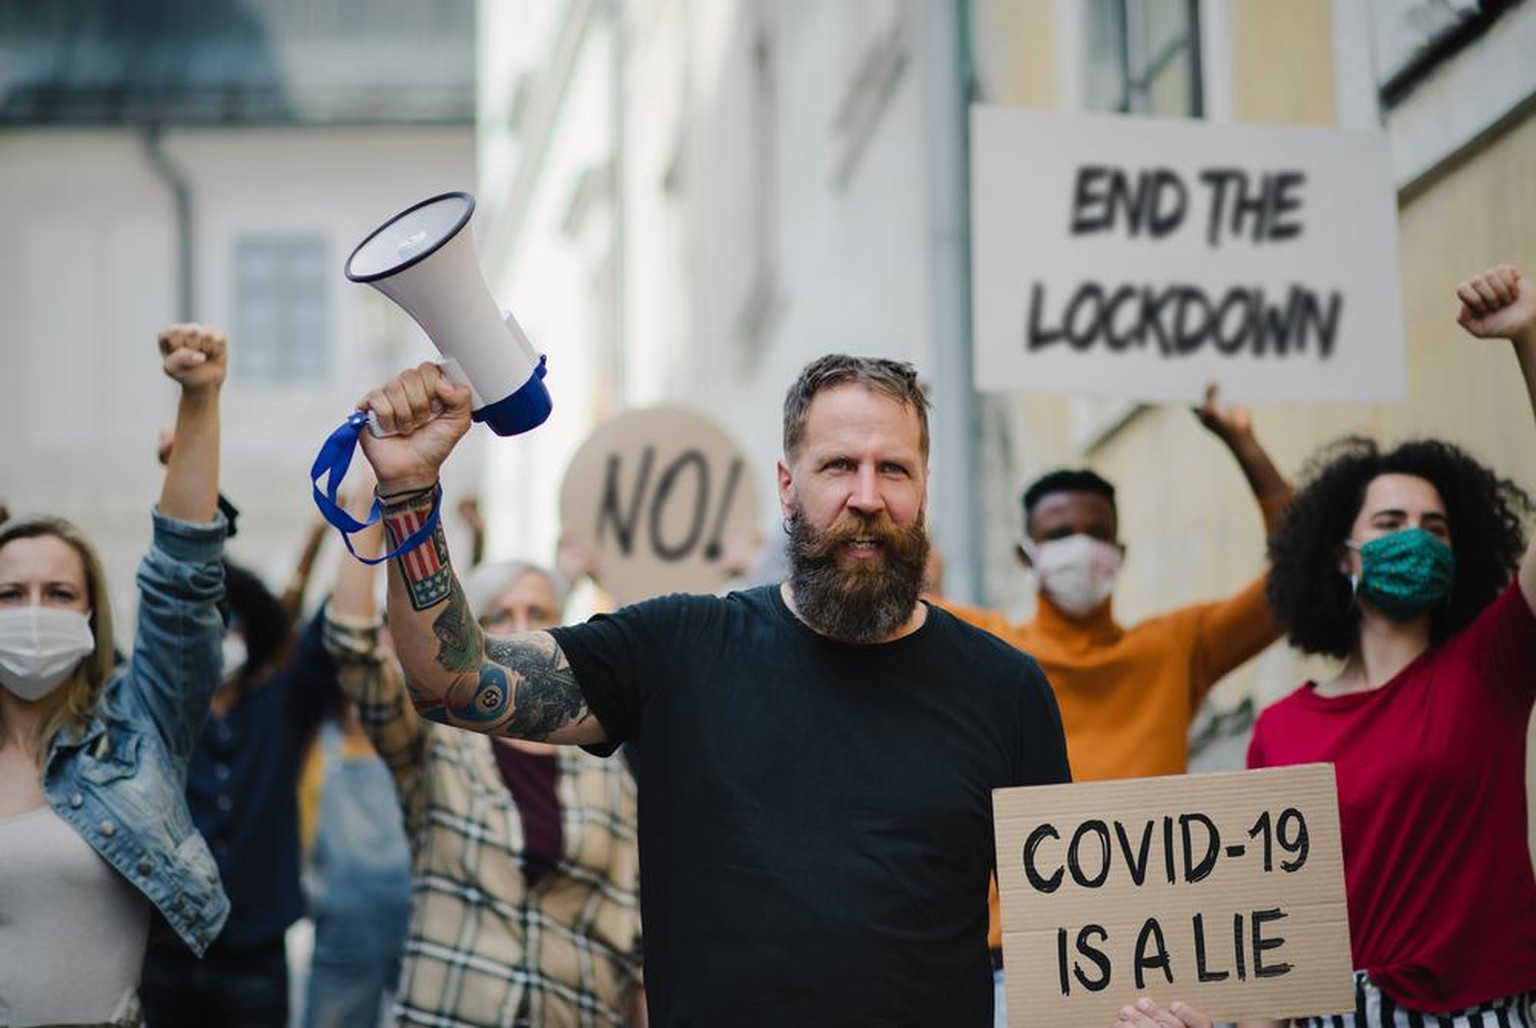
[1227,890]
[1146,1014]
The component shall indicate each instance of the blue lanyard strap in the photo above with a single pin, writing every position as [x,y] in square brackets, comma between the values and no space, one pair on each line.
[334,459]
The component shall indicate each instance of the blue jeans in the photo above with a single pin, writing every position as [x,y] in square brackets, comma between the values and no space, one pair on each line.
[999,1000]
[359,891]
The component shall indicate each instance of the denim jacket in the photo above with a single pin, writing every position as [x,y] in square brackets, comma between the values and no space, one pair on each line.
[120,782]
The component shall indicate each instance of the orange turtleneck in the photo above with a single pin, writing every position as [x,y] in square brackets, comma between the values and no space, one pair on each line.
[1128,695]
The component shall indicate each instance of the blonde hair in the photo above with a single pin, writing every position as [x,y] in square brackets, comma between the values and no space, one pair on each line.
[73,704]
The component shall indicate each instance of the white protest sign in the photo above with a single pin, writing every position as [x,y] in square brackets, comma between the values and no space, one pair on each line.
[1140,258]
[663,501]
[1222,890]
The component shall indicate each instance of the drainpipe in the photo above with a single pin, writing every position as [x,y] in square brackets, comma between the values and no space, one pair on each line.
[181,195]
[944,30]
[620,354]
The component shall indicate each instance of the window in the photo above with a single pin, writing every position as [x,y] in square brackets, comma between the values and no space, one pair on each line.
[1143,57]
[280,308]
[1140,57]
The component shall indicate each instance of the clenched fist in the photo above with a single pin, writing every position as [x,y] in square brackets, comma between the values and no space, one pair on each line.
[196,356]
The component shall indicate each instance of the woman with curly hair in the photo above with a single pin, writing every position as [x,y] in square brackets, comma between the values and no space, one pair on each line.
[1407,565]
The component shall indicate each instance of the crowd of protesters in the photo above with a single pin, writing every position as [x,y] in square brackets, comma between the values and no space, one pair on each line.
[434,790]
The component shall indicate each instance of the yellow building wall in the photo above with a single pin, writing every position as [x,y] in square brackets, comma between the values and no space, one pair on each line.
[1282,56]
[1186,503]
[1186,513]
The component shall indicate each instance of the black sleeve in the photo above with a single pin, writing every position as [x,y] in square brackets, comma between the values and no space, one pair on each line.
[1045,741]
[619,659]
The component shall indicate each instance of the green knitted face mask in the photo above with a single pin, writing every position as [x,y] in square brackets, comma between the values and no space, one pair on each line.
[1405,573]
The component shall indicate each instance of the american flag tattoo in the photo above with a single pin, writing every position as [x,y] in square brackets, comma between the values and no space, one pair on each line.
[428,578]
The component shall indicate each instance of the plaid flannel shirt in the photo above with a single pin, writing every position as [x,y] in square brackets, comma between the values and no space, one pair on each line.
[483,948]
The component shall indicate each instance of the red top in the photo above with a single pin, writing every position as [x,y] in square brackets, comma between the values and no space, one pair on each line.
[1431,775]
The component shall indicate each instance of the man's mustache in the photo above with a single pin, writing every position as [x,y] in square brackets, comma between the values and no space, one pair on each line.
[849,527]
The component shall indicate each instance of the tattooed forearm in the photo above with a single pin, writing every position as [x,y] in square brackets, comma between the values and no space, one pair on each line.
[457,633]
[428,578]
[480,702]
[426,704]
[526,689]
[547,697]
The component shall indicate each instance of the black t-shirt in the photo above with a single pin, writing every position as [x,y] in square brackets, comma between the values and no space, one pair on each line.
[815,824]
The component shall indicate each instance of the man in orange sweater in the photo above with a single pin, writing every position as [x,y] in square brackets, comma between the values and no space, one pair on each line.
[1128,694]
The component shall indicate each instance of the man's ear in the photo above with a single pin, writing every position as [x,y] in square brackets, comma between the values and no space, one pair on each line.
[786,488]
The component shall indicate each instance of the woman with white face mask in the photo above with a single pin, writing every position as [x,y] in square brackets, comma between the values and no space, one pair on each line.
[94,831]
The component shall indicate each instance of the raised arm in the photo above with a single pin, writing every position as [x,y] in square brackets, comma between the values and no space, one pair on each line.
[520,685]
[175,664]
[298,582]
[367,671]
[469,513]
[195,357]
[1501,304]
[352,600]
[1234,427]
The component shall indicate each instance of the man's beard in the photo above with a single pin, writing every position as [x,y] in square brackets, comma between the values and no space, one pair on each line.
[869,602]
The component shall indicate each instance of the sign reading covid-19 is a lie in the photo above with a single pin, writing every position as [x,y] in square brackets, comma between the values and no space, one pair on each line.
[1140,258]
[1225,891]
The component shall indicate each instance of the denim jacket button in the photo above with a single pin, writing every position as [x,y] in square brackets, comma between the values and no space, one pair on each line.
[177,903]
[75,799]
[108,829]
[145,867]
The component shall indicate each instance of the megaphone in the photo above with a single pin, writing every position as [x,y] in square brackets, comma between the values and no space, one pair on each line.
[423,259]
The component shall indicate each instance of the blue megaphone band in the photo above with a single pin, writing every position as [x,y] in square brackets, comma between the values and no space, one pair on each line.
[519,411]
[334,459]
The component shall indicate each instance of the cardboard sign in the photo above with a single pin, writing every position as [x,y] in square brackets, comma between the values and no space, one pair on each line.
[1140,258]
[1223,890]
[663,501]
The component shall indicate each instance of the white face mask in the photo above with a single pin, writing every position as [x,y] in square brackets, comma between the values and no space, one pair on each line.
[1078,573]
[235,655]
[40,647]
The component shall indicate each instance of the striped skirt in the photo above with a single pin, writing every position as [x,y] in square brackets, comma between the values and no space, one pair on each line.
[1375,1009]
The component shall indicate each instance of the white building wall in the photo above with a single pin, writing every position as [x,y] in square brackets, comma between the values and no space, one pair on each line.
[709,205]
[91,277]
[546,235]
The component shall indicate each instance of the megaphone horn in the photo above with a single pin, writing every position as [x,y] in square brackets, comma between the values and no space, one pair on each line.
[423,259]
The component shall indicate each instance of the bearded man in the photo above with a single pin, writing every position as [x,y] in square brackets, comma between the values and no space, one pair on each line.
[815,834]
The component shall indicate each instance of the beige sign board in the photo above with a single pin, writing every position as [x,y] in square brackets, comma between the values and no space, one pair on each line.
[1225,891]
[662,500]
